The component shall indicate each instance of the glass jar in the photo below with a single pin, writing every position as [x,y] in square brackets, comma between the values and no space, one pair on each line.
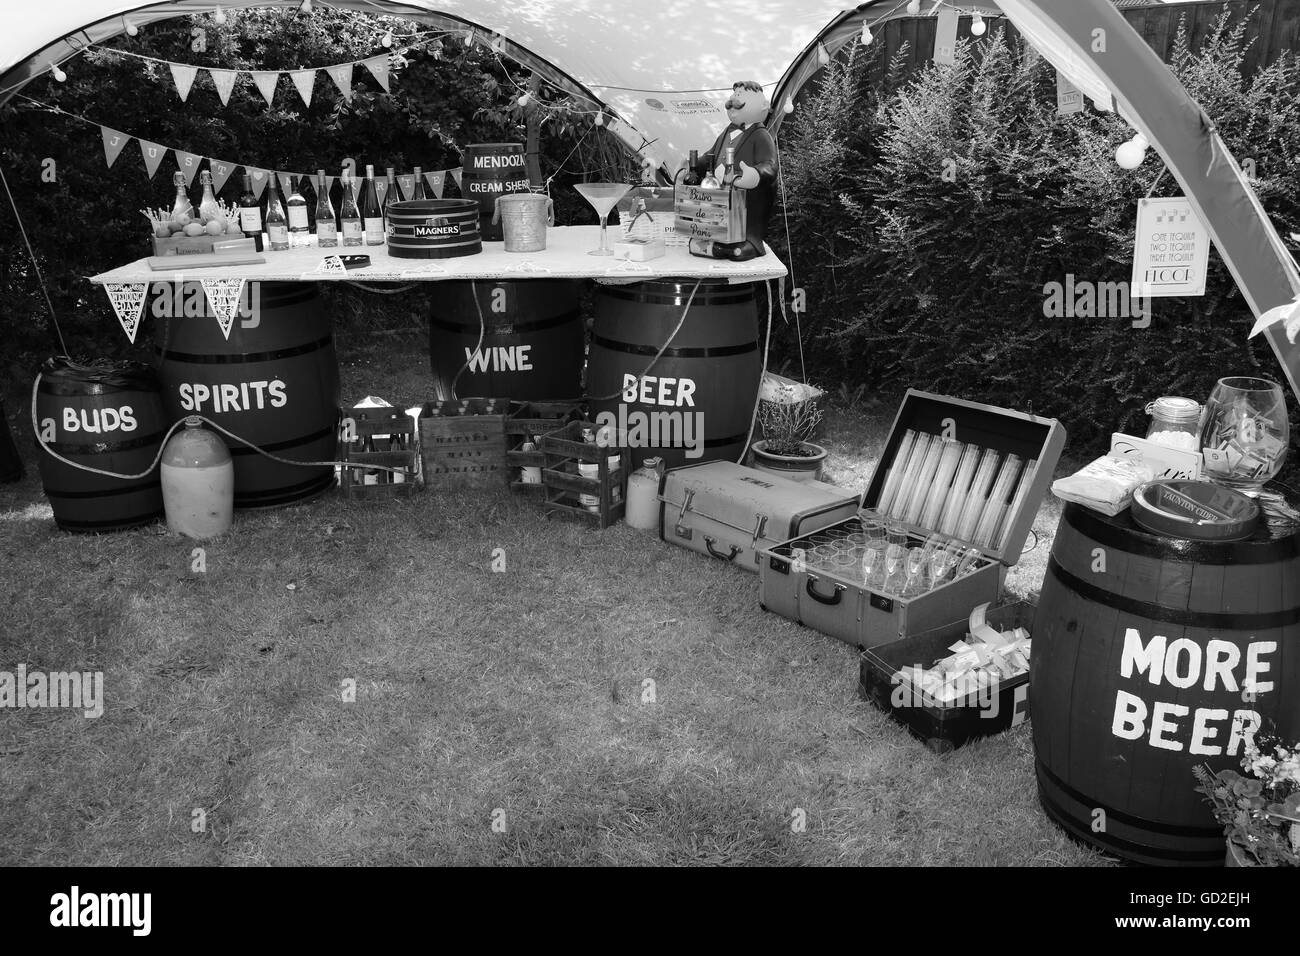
[1175,422]
[1245,433]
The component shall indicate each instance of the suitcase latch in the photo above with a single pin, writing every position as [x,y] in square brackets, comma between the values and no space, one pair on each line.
[686,504]
[881,603]
[683,532]
[760,525]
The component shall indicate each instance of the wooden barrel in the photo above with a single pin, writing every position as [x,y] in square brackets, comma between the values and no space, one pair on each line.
[11,465]
[489,170]
[700,394]
[532,341]
[274,382]
[433,229]
[1146,650]
[108,416]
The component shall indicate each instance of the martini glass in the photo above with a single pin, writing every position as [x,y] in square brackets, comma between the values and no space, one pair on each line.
[603,197]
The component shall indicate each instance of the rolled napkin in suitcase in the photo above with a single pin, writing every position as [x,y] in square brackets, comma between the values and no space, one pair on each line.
[731,512]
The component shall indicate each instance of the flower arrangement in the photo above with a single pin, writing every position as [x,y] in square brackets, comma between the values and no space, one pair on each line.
[1260,812]
[788,421]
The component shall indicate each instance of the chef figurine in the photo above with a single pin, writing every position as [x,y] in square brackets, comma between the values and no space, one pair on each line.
[754,171]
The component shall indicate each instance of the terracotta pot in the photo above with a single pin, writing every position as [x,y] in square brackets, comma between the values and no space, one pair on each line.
[1237,856]
[792,467]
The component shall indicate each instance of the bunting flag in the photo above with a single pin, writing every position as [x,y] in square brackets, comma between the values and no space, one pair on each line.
[286,183]
[153,155]
[381,188]
[221,171]
[406,183]
[183,77]
[331,265]
[224,81]
[342,77]
[378,66]
[113,143]
[266,81]
[455,174]
[437,182]
[224,295]
[945,36]
[260,178]
[127,299]
[189,164]
[305,82]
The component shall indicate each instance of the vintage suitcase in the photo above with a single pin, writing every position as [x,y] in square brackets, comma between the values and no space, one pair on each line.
[917,495]
[729,512]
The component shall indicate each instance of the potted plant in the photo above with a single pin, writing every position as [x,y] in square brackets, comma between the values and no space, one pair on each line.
[1260,811]
[787,423]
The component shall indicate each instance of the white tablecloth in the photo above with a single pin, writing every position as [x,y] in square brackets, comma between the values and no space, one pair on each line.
[565,257]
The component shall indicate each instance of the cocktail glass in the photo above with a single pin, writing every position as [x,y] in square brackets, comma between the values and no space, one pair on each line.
[603,197]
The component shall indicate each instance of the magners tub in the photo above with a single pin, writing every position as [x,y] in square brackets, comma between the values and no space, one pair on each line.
[490,170]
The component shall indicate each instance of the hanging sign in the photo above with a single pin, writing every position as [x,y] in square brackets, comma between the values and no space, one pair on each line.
[224,295]
[1069,98]
[1171,250]
[127,299]
[945,36]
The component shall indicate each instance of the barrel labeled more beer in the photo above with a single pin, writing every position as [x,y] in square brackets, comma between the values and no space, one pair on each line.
[108,417]
[696,401]
[1154,655]
[488,171]
[433,229]
[274,382]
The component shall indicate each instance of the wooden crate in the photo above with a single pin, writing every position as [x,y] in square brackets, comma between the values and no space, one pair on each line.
[530,421]
[564,450]
[717,214]
[360,478]
[463,440]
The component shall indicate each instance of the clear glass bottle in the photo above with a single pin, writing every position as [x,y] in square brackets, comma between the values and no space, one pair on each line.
[250,214]
[299,226]
[417,191]
[277,226]
[327,233]
[350,215]
[209,209]
[181,205]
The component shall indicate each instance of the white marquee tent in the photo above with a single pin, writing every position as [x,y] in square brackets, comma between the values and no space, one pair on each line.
[664,70]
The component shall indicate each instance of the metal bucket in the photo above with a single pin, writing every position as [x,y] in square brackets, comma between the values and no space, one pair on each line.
[524,218]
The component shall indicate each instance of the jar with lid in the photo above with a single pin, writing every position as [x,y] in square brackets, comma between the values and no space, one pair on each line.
[1175,422]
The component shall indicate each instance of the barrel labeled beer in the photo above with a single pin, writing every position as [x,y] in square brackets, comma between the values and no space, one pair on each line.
[696,401]
[274,382]
[489,171]
[433,229]
[108,417]
[1153,655]
[532,339]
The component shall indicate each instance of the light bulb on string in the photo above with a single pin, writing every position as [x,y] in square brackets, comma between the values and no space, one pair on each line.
[913,7]
[59,75]
[866,34]
[823,55]
[524,99]
[600,119]
[305,6]
[219,16]
[129,26]
[386,41]
[977,26]
[788,108]
[1132,153]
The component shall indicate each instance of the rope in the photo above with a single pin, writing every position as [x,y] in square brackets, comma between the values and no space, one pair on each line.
[794,283]
[365,288]
[36,429]
[758,399]
[63,346]
[482,333]
[658,355]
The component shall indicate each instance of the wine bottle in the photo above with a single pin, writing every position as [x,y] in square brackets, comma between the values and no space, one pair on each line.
[208,207]
[250,213]
[277,226]
[349,214]
[692,177]
[417,191]
[731,171]
[181,206]
[371,215]
[390,195]
[327,234]
[299,227]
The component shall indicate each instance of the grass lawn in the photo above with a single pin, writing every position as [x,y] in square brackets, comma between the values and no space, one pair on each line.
[518,695]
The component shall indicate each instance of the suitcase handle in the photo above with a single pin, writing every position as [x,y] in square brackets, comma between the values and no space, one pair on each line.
[708,543]
[822,599]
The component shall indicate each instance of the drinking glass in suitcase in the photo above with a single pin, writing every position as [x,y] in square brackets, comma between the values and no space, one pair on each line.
[729,512]
[946,512]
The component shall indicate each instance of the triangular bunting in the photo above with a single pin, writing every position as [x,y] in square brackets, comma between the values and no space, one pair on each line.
[189,164]
[378,65]
[455,174]
[332,265]
[153,155]
[184,78]
[437,181]
[220,173]
[260,178]
[127,299]
[224,295]
[224,81]
[304,81]
[406,183]
[266,80]
[113,143]
[286,184]
[342,77]
[381,188]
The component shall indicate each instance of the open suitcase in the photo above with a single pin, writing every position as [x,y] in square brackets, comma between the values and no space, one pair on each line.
[836,599]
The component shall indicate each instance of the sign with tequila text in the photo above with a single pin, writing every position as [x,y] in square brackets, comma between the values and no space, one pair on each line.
[1171,249]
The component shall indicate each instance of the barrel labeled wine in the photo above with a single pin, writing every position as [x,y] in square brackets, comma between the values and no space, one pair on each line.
[489,171]
[108,417]
[274,382]
[1153,655]
[696,401]
[531,346]
[433,229]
